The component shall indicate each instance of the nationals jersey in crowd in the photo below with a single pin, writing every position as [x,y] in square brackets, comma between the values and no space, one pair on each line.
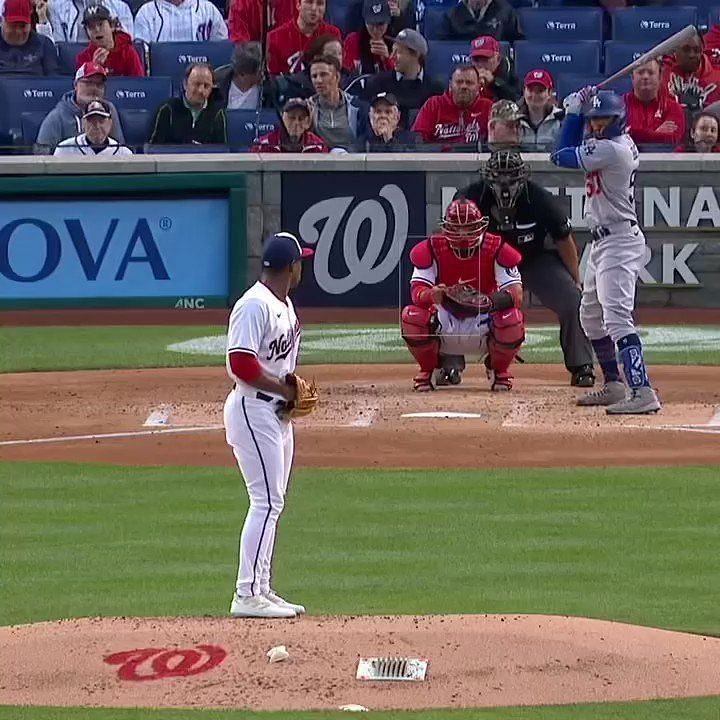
[610,166]
[286,46]
[268,328]
[66,18]
[493,266]
[440,120]
[190,21]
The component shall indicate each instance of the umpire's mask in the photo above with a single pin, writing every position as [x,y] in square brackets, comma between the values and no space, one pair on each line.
[506,173]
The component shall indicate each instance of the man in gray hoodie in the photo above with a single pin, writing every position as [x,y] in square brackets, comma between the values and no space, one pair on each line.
[65,119]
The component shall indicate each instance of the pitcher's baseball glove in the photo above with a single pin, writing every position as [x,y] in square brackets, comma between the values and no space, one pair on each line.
[306,398]
[463,301]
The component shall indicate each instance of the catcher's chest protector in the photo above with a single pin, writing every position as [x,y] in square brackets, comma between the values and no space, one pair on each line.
[477,270]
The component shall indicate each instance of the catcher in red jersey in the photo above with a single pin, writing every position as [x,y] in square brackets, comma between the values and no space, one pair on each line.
[466,293]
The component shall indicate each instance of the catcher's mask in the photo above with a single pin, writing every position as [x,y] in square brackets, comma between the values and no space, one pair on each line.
[464,227]
[507,174]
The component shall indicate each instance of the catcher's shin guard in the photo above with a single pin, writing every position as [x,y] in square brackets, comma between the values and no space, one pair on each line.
[507,334]
[418,332]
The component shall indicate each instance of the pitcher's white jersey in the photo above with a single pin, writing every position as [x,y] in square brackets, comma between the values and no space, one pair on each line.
[262,324]
[610,168]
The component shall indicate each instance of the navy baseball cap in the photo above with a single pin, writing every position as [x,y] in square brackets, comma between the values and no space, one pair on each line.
[376,12]
[283,249]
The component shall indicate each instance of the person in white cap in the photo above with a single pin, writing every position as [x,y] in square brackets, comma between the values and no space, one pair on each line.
[179,21]
[66,18]
[95,140]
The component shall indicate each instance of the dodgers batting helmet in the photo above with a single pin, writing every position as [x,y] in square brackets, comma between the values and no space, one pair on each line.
[464,226]
[607,104]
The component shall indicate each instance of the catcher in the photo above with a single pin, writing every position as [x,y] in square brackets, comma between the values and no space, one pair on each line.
[263,344]
[466,293]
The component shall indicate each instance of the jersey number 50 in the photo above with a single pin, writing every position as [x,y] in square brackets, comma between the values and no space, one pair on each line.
[593,186]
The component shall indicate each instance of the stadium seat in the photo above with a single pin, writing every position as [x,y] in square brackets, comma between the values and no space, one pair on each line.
[713,16]
[30,125]
[561,24]
[650,24]
[184,149]
[338,14]
[67,52]
[171,58]
[241,126]
[433,22]
[136,126]
[146,93]
[580,56]
[565,83]
[19,95]
[443,55]
[619,54]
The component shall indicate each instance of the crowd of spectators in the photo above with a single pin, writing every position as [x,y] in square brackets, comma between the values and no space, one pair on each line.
[365,88]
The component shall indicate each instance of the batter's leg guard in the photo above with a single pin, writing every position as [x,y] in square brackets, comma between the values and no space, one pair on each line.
[507,334]
[418,331]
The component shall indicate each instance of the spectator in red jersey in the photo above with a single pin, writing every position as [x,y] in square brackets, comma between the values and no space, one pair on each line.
[286,44]
[711,41]
[109,46]
[496,77]
[703,136]
[368,51]
[540,117]
[652,116]
[294,135]
[460,115]
[245,21]
[691,77]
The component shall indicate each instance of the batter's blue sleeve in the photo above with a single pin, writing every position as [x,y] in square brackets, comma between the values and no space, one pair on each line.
[569,139]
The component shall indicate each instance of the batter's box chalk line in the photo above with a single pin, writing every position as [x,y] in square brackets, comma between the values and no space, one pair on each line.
[444,415]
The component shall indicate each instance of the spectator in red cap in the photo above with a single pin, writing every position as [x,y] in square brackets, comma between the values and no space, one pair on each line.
[496,77]
[704,135]
[245,17]
[691,77]
[109,46]
[287,43]
[369,51]
[22,50]
[460,115]
[293,135]
[470,18]
[540,116]
[65,119]
[653,116]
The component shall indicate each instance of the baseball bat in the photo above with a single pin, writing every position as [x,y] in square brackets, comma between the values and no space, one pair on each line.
[666,47]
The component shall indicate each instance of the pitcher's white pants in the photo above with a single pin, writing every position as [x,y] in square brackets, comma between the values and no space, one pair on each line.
[263,446]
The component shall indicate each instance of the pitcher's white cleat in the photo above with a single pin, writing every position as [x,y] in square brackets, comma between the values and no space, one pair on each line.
[274,598]
[258,606]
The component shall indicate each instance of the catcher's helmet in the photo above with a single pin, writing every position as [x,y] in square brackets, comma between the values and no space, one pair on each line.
[506,172]
[464,226]
[607,104]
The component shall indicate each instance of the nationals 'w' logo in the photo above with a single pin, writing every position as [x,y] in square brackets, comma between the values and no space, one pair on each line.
[160,663]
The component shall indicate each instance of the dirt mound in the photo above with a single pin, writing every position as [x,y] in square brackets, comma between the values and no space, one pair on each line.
[475,660]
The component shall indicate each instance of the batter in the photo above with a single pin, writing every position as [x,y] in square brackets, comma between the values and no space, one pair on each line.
[262,349]
[610,160]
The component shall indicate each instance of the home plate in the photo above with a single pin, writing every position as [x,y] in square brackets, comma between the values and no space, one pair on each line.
[442,414]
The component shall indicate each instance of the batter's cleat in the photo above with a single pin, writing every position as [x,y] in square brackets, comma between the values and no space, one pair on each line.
[582,376]
[258,606]
[274,598]
[609,394]
[641,401]
[422,382]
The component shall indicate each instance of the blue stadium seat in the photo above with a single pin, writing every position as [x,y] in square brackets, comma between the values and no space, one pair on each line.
[645,25]
[136,125]
[562,24]
[171,58]
[565,83]
[184,149]
[142,50]
[147,93]
[241,126]
[67,52]
[339,14]
[619,54]
[713,16]
[580,56]
[443,54]
[433,22]
[30,125]
[22,94]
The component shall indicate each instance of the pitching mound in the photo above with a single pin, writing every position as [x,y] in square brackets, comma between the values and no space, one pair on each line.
[475,660]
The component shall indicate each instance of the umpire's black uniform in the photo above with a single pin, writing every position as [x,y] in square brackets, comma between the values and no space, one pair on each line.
[538,214]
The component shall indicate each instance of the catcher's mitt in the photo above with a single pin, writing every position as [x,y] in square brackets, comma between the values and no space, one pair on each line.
[463,301]
[306,398]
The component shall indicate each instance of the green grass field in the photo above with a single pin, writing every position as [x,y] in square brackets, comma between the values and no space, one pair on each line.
[636,545]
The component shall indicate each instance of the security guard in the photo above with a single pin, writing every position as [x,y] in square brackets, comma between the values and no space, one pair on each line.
[524,213]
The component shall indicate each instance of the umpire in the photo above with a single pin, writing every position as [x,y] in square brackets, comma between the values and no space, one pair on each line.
[524,213]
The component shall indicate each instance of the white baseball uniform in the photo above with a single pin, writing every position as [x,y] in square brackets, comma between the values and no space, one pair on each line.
[618,247]
[190,21]
[66,18]
[268,328]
